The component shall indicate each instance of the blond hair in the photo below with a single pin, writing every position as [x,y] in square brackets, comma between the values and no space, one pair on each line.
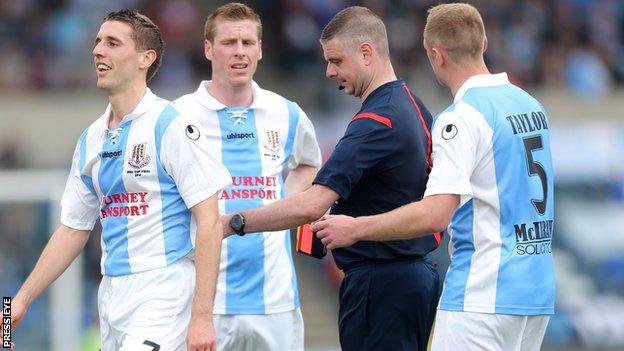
[231,12]
[356,25]
[456,28]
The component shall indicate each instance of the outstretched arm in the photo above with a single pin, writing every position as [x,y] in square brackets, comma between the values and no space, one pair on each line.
[287,213]
[300,179]
[431,214]
[64,246]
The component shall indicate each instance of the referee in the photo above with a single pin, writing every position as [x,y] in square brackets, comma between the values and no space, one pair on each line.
[492,183]
[390,290]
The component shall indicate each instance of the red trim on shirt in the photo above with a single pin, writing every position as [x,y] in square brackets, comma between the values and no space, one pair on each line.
[424,124]
[438,238]
[374,116]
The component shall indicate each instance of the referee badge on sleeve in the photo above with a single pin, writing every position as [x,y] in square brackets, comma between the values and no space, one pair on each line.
[192,132]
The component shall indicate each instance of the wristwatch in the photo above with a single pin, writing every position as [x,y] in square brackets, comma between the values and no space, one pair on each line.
[237,223]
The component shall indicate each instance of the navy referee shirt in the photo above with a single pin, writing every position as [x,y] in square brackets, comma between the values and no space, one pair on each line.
[381,163]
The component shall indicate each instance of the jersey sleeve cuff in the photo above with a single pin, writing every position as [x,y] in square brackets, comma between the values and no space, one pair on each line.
[193,197]
[448,190]
[78,225]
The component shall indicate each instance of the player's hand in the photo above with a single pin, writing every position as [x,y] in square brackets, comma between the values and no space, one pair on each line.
[225,222]
[18,311]
[336,231]
[201,334]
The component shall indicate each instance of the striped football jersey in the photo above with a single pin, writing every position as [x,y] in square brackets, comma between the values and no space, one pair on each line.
[140,179]
[256,143]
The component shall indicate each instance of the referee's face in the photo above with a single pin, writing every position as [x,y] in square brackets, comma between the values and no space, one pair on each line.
[343,66]
[234,52]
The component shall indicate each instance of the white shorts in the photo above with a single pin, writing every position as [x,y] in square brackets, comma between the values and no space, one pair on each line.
[268,332]
[455,330]
[147,311]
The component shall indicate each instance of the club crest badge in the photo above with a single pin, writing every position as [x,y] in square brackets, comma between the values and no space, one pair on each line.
[272,142]
[138,158]
[272,145]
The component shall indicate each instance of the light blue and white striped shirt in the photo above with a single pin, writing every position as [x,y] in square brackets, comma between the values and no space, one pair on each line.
[256,143]
[492,147]
[140,179]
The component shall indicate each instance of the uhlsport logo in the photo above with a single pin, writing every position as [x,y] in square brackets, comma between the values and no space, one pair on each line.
[138,158]
[241,136]
[111,154]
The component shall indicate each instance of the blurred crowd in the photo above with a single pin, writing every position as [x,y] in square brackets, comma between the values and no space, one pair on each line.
[575,43]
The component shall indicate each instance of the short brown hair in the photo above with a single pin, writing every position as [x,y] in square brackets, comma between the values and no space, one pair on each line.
[145,34]
[456,28]
[233,11]
[355,25]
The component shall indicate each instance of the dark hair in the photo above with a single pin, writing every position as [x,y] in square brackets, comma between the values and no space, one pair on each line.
[145,34]
[233,11]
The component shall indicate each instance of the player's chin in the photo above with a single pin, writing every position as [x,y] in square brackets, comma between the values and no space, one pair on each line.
[240,80]
[102,83]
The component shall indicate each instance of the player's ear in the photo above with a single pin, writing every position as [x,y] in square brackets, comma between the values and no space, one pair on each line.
[147,58]
[438,56]
[208,49]
[260,48]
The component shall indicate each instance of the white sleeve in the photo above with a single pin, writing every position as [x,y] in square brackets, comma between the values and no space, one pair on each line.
[305,146]
[79,205]
[186,157]
[454,155]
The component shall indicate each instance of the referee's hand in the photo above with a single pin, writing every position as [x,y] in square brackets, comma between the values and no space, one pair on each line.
[336,231]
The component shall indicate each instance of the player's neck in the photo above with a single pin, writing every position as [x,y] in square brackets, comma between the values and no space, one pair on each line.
[123,102]
[380,77]
[458,78]
[231,96]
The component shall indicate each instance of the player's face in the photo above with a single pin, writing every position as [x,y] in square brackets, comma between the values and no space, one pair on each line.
[117,62]
[344,67]
[234,52]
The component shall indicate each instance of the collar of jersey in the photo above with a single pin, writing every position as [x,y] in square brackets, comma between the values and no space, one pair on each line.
[147,101]
[481,80]
[259,102]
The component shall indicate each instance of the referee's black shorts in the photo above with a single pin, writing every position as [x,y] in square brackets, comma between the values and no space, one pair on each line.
[388,306]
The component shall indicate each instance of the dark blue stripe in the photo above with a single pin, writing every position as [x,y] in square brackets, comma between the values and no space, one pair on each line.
[114,228]
[176,217]
[245,255]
